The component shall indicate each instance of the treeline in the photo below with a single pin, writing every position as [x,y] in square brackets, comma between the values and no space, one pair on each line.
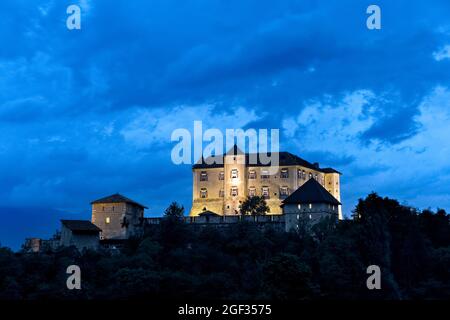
[176,262]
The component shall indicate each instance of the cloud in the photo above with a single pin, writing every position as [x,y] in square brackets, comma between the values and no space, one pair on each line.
[155,126]
[442,54]
[413,170]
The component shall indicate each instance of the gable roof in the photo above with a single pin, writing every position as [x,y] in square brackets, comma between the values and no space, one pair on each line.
[118,198]
[82,226]
[311,192]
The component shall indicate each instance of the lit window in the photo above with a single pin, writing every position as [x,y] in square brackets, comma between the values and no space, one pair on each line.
[252,192]
[284,191]
[310,175]
[203,176]
[316,177]
[310,216]
[252,174]
[299,206]
[264,174]
[234,173]
[265,192]
[234,191]
[108,220]
[284,173]
[203,193]
[221,175]
[310,205]
[298,217]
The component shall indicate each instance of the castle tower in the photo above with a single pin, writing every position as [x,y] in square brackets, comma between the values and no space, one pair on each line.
[310,202]
[118,216]
[235,180]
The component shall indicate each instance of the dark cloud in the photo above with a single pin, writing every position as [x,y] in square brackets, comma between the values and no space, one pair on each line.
[66,95]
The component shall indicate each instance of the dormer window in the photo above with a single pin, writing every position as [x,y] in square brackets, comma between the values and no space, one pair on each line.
[234,173]
[234,191]
[203,176]
[252,174]
[284,173]
[221,175]
[203,193]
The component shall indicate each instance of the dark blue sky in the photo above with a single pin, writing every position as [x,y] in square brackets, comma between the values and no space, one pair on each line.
[87,113]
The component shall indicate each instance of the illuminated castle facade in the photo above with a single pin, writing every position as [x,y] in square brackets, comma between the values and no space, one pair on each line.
[222,187]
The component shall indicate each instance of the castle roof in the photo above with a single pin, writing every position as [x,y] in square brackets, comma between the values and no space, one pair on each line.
[118,198]
[311,192]
[208,213]
[82,226]
[285,159]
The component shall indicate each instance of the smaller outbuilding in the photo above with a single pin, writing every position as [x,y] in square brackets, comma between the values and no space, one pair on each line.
[310,202]
[82,234]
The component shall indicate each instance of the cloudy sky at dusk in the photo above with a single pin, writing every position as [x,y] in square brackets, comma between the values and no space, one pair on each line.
[87,113]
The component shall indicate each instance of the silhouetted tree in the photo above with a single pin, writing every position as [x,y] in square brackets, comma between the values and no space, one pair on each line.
[254,206]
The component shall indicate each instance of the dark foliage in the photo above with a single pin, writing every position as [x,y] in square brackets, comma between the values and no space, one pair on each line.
[328,261]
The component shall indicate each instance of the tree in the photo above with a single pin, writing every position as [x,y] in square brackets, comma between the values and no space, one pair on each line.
[255,206]
[174,211]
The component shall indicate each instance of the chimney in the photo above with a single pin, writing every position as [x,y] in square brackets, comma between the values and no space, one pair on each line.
[316,165]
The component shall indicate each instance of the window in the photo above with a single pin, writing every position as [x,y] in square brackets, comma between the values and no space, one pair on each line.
[301,174]
[310,175]
[234,173]
[203,176]
[252,174]
[316,177]
[265,192]
[203,193]
[113,208]
[108,220]
[234,191]
[310,205]
[221,193]
[299,206]
[284,173]
[252,192]
[264,174]
[284,192]
[221,175]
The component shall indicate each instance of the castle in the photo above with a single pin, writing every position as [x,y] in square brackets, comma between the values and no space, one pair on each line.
[221,187]
[298,190]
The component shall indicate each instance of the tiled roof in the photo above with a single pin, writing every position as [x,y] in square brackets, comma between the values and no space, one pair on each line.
[118,198]
[285,159]
[311,192]
[81,226]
